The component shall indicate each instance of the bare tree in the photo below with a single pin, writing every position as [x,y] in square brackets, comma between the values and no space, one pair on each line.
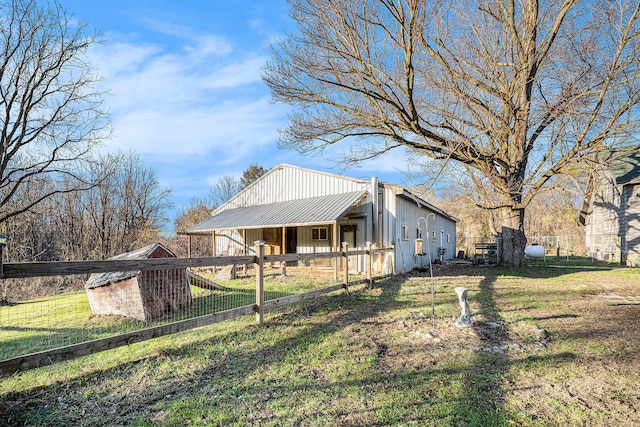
[128,209]
[515,92]
[196,211]
[225,188]
[50,115]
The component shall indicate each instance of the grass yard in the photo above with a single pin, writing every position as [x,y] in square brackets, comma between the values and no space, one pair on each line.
[549,347]
[64,319]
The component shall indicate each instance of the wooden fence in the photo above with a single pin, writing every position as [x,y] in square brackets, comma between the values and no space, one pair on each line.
[12,365]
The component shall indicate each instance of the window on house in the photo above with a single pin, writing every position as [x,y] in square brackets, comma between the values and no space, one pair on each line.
[319,233]
[448,238]
[405,232]
[418,233]
[433,236]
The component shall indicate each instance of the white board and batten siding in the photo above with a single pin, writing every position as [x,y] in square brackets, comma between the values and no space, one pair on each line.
[285,182]
[612,219]
[397,209]
[441,231]
[631,224]
[602,224]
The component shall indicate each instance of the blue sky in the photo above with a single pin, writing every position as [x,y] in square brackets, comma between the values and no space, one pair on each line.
[185,91]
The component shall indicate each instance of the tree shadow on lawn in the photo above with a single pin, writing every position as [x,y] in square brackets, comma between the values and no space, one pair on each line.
[230,381]
[531,271]
[482,402]
[38,404]
[488,375]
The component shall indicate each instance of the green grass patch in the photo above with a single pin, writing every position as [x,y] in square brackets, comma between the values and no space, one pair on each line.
[61,320]
[376,357]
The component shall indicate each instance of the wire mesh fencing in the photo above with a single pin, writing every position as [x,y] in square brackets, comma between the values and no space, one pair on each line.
[146,300]
[57,311]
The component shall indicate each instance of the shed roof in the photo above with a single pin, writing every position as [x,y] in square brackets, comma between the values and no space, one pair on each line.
[101,279]
[626,169]
[403,192]
[301,212]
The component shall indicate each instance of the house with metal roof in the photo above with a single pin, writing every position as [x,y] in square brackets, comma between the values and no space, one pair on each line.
[299,210]
[611,212]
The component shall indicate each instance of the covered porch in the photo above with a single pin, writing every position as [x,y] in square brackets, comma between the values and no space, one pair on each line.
[317,224]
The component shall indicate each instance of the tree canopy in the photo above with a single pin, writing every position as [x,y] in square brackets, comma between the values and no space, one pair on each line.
[251,174]
[51,116]
[515,93]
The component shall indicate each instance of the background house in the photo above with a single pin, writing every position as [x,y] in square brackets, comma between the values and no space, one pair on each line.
[141,295]
[299,210]
[611,212]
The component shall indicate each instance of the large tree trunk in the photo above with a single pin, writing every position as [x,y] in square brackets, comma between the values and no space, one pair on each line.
[513,240]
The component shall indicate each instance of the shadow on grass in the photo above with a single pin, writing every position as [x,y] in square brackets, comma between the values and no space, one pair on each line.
[488,374]
[35,408]
[482,400]
[261,383]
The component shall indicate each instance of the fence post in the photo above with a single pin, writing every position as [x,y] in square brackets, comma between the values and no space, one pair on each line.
[283,268]
[394,257]
[259,309]
[345,252]
[369,265]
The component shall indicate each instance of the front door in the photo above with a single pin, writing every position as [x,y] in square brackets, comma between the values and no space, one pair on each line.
[291,243]
[348,234]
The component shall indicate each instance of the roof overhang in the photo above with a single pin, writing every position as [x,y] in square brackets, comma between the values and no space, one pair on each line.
[424,204]
[321,210]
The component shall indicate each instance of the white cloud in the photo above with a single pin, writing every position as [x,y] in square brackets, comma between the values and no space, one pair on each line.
[200,99]
[206,45]
[228,130]
[195,109]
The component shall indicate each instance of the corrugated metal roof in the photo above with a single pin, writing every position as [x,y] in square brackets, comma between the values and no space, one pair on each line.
[101,279]
[309,211]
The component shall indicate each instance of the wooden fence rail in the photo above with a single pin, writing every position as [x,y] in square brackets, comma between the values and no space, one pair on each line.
[67,268]
[42,269]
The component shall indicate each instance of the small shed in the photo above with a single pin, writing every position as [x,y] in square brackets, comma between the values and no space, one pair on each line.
[141,295]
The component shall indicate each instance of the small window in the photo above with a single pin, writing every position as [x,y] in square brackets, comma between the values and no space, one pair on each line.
[405,232]
[433,236]
[319,233]
[448,238]
[418,233]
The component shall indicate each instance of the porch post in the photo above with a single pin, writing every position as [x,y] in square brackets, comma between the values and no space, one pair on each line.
[259,306]
[283,244]
[244,241]
[188,245]
[214,249]
[244,250]
[336,248]
[369,265]
[345,251]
